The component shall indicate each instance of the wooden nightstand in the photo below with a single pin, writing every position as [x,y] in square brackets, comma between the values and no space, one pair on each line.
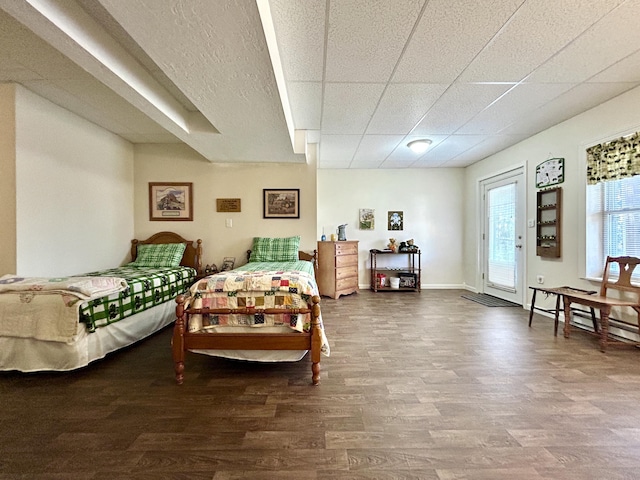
[337,272]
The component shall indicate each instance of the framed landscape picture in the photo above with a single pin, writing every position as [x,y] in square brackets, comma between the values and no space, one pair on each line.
[170,201]
[281,203]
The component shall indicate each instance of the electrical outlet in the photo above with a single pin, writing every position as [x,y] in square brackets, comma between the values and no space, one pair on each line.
[229,223]
[540,279]
[531,223]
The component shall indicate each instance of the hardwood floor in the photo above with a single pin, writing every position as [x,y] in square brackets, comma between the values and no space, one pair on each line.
[418,386]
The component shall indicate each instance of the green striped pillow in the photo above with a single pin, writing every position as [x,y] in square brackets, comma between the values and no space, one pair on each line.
[275,249]
[159,255]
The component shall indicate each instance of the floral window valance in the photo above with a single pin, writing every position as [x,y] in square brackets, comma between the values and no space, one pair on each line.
[614,160]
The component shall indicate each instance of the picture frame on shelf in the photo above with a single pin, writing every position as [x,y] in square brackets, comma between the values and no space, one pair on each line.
[171,201]
[281,203]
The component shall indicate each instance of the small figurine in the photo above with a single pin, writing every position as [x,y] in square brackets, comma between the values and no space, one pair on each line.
[392,245]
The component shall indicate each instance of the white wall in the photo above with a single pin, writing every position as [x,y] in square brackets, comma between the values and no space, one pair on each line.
[179,163]
[7,179]
[432,203]
[74,191]
[568,139]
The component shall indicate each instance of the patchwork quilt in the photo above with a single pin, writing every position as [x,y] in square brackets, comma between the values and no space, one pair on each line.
[261,288]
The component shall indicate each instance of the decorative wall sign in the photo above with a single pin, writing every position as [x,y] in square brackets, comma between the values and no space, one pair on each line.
[283,203]
[367,219]
[550,172]
[228,205]
[170,201]
[395,220]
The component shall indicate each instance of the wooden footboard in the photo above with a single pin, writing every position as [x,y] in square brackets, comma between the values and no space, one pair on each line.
[183,340]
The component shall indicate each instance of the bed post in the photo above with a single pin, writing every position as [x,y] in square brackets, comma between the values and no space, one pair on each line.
[316,340]
[199,256]
[177,343]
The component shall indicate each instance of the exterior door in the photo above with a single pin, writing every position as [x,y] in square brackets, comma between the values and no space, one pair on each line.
[503,236]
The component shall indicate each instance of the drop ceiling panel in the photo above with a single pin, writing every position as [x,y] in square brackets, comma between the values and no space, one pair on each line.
[348,107]
[301,24]
[489,146]
[305,99]
[449,36]
[584,57]
[449,148]
[626,70]
[366,38]
[533,35]
[514,105]
[459,104]
[567,105]
[374,149]
[402,106]
[338,149]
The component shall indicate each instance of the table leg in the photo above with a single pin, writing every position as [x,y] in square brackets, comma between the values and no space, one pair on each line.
[557,315]
[533,306]
[567,316]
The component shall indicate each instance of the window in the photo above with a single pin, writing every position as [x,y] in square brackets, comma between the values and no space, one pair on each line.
[613,223]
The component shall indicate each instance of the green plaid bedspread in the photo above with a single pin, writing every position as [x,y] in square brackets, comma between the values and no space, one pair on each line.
[148,287]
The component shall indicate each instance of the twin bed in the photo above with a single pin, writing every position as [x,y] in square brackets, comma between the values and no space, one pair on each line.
[267,310]
[66,323]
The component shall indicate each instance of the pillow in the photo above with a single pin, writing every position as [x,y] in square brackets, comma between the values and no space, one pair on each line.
[275,249]
[159,255]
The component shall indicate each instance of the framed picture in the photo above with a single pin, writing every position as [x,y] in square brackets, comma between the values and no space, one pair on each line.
[281,203]
[171,201]
[228,263]
[395,221]
[367,219]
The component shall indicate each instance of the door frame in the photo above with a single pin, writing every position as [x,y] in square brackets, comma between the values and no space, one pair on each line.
[520,171]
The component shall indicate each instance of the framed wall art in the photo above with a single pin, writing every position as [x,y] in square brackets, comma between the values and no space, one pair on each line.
[395,220]
[170,201]
[281,203]
[367,220]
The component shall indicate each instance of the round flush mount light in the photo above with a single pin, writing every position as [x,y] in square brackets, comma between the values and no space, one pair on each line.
[419,146]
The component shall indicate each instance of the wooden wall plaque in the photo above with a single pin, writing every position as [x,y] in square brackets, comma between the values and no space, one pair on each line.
[228,205]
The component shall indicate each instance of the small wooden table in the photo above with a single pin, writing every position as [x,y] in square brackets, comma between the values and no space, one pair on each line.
[558,292]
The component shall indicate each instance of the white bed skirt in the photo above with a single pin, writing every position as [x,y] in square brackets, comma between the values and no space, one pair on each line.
[256,355]
[30,355]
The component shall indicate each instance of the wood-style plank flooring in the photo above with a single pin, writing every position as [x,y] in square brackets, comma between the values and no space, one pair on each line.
[418,386]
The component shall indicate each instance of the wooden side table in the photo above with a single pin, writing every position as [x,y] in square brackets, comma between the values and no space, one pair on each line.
[558,292]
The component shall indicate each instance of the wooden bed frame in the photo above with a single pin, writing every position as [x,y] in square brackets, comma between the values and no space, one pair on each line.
[192,256]
[183,340]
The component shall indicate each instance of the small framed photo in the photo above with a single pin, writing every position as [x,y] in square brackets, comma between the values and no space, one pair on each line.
[281,203]
[170,201]
[395,221]
[367,219]
[228,263]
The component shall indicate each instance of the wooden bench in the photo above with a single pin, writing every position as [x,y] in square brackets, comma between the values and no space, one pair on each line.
[605,301]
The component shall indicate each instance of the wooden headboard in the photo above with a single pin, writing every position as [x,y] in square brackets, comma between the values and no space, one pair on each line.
[192,256]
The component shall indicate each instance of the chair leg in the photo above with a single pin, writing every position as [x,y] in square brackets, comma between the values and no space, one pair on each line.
[604,328]
[593,319]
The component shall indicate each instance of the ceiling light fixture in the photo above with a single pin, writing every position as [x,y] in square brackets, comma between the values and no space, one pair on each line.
[419,146]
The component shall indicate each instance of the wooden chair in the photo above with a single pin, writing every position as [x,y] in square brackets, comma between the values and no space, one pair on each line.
[605,301]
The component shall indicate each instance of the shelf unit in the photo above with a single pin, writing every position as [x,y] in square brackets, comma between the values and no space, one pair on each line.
[549,223]
[413,269]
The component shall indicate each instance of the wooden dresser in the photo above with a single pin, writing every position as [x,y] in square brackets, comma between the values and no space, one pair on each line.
[337,272]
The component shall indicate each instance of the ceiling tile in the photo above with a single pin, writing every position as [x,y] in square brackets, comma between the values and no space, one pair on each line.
[402,106]
[301,24]
[366,38]
[449,36]
[449,148]
[459,104]
[626,70]
[375,148]
[348,107]
[514,105]
[489,146]
[338,149]
[584,57]
[305,99]
[534,34]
